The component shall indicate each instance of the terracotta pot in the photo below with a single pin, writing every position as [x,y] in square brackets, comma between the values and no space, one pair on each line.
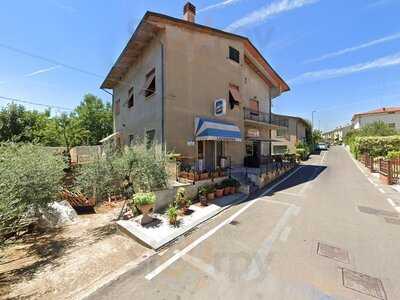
[227,191]
[204,176]
[203,200]
[183,174]
[219,193]
[193,176]
[210,196]
[233,190]
[145,210]
[173,221]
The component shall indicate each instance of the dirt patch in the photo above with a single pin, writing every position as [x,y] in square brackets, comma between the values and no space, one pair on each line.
[57,264]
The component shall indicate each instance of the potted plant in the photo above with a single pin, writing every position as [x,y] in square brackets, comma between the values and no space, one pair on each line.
[236,185]
[181,200]
[172,213]
[193,176]
[219,190]
[227,189]
[203,196]
[210,190]
[145,203]
[204,175]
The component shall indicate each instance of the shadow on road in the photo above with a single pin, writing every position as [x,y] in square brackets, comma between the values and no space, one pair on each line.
[306,174]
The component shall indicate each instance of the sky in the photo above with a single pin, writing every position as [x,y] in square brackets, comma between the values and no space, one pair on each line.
[339,57]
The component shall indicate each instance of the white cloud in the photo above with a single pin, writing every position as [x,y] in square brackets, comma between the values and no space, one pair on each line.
[378,3]
[268,11]
[383,62]
[41,71]
[359,47]
[219,5]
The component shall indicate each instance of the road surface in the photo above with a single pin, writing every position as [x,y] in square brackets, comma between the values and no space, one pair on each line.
[326,232]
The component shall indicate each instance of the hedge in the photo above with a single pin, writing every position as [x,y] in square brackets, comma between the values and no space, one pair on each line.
[376,145]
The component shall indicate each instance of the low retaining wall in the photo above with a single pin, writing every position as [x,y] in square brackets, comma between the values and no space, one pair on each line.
[166,197]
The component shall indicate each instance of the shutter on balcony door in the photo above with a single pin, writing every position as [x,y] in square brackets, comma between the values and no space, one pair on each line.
[254,105]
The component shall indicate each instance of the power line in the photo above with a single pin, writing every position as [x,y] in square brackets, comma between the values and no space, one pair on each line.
[35,103]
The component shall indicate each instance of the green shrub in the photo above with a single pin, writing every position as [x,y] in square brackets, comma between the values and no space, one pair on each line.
[145,169]
[30,178]
[393,154]
[376,145]
[180,197]
[144,199]
[172,213]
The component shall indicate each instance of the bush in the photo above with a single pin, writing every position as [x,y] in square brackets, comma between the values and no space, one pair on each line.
[376,146]
[393,154]
[144,199]
[145,169]
[30,179]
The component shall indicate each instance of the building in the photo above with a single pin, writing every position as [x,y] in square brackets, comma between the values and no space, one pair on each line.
[388,115]
[285,139]
[337,135]
[200,92]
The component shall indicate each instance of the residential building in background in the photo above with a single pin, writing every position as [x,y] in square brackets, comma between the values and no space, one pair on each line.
[285,139]
[200,92]
[388,115]
[337,134]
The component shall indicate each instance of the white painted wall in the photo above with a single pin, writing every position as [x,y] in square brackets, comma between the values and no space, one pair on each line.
[361,121]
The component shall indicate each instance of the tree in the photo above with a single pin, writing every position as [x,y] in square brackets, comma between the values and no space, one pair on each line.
[94,117]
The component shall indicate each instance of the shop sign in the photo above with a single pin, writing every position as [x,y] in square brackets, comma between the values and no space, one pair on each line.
[219,107]
[253,133]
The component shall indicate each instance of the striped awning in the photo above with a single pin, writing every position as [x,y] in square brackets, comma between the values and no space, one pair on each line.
[215,130]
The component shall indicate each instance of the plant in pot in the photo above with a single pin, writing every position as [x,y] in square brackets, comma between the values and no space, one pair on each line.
[203,196]
[227,189]
[172,213]
[219,190]
[236,185]
[145,203]
[204,175]
[181,200]
[210,192]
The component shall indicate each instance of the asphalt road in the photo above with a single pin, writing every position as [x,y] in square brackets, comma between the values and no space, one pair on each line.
[279,245]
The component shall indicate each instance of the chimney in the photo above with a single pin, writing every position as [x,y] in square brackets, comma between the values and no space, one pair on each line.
[189,12]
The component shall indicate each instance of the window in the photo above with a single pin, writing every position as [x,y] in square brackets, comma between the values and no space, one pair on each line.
[280,149]
[150,87]
[234,54]
[131,100]
[281,132]
[150,135]
[117,106]
[234,95]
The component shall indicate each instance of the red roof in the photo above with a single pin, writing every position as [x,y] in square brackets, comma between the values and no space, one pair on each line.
[383,110]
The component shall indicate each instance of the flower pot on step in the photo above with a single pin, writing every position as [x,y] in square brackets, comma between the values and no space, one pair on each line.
[203,200]
[145,210]
[210,196]
[219,193]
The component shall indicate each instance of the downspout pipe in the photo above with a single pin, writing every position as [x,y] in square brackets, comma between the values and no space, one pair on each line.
[270,122]
[163,142]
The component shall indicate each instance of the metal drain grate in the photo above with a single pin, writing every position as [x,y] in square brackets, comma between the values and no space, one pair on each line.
[363,284]
[392,221]
[333,252]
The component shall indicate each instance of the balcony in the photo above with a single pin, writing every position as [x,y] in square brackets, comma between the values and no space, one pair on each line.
[265,118]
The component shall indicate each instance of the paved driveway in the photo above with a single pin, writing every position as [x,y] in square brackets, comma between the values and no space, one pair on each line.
[324,233]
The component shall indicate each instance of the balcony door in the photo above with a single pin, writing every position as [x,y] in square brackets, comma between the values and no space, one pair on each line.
[209,155]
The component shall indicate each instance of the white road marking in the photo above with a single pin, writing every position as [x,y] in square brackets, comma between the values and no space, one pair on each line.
[397,208]
[391,202]
[370,180]
[381,190]
[202,266]
[265,249]
[201,239]
[323,156]
[289,194]
[285,234]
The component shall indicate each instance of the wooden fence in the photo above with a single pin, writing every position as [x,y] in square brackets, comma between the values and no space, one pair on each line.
[389,169]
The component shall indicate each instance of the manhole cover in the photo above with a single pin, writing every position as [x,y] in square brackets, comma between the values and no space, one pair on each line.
[363,283]
[234,222]
[333,252]
[392,221]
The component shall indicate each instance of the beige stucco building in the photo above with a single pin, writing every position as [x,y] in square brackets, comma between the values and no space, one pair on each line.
[388,115]
[200,92]
[285,139]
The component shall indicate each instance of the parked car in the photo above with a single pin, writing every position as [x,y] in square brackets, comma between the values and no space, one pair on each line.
[322,147]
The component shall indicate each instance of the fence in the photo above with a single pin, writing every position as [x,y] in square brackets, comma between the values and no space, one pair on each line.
[387,168]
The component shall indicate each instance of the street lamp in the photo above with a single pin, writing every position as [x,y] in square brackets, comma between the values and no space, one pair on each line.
[312,117]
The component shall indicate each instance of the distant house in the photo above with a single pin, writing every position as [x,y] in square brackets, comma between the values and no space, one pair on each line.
[199,91]
[285,139]
[337,134]
[388,115]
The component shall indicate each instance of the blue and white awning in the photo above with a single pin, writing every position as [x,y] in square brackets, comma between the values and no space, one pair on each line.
[213,130]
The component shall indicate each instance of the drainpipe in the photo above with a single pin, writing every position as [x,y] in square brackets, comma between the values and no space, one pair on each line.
[270,122]
[162,99]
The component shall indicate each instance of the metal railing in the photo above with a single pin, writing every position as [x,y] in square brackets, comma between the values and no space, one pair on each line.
[389,168]
[263,117]
[188,168]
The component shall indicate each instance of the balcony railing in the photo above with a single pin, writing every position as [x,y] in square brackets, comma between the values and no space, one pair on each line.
[263,117]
